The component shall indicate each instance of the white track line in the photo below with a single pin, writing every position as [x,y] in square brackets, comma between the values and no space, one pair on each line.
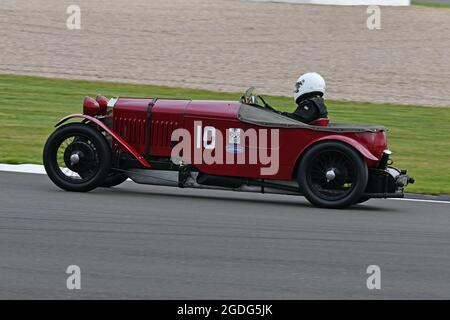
[39,169]
[420,200]
[24,168]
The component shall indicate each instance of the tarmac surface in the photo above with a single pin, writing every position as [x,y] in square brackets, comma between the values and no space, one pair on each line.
[229,45]
[148,242]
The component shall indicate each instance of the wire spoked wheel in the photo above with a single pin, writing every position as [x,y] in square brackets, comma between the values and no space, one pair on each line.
[332,175]
[77,157]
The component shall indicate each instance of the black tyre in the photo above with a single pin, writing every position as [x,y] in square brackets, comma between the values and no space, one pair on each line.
[113,179]
[362,199]
[332,175]
[77,157]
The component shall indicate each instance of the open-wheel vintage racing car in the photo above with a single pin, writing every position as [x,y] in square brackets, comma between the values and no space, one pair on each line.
[241,145]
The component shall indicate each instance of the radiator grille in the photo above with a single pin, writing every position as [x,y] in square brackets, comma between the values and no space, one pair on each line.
[130,129]
[162,132]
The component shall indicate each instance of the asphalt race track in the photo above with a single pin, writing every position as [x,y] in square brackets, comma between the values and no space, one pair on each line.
[153,242]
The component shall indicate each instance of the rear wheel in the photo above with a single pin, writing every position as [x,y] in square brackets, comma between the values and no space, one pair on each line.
[362,199]
[77,157]
[332,175]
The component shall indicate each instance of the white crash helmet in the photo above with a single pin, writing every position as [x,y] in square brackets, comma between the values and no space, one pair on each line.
[309,82]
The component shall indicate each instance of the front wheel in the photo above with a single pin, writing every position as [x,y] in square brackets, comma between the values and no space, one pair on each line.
[77,157]
[332,175]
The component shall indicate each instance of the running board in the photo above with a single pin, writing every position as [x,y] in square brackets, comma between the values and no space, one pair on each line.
[190,180]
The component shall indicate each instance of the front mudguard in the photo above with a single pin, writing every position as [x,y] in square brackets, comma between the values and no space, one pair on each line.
[370,159]
[116,137]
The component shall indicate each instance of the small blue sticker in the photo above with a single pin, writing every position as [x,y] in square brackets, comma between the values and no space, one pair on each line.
[234,148]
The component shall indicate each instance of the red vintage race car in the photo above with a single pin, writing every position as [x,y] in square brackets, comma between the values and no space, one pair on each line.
[230,145]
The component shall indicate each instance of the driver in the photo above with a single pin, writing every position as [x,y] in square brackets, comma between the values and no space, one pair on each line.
[309,90]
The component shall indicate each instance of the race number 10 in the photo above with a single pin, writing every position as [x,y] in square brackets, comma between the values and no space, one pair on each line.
[208,136]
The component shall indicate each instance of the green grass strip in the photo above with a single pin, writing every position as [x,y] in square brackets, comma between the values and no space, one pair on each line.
[30,106]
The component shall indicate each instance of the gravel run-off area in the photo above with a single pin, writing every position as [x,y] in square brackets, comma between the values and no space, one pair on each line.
[228,45]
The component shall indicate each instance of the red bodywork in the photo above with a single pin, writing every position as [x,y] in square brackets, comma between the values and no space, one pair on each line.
[143,128]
